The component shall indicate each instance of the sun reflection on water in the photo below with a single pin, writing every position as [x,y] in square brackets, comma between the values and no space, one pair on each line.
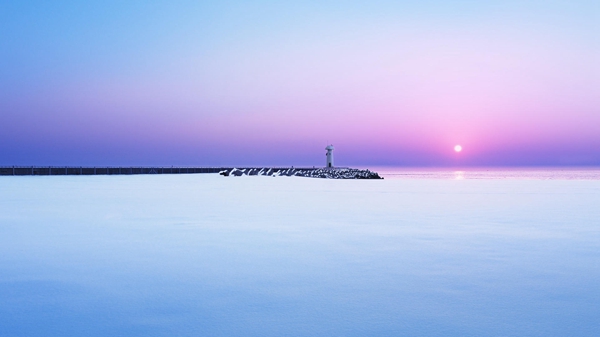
[459,175]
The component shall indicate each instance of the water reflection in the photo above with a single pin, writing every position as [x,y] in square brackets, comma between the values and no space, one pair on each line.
[586,173]
[459,175]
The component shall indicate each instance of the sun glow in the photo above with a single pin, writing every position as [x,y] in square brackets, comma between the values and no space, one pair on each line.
[458,148]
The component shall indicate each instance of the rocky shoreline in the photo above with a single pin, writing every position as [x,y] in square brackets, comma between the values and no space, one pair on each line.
[326,173]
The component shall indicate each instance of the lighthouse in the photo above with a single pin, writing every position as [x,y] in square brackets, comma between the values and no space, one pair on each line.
[329,155]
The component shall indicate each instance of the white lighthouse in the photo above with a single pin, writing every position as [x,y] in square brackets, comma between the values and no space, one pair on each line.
[329,155]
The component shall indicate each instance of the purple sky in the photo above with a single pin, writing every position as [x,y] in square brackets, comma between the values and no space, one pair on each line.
[266,83]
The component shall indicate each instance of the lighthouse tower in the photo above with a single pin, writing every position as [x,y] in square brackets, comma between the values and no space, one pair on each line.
[329,155]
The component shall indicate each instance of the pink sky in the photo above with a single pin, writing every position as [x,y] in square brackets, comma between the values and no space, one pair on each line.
[513,83]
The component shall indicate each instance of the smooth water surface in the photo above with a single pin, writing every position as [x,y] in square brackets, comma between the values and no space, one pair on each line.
[491,173]
[205,255]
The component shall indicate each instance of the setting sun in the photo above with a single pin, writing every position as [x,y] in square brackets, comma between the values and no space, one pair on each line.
[458,148]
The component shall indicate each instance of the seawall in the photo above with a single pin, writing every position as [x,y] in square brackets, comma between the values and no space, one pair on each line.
[70,170]
[329,173]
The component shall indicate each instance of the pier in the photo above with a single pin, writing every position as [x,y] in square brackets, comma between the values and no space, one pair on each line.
[329,173]
[70,170]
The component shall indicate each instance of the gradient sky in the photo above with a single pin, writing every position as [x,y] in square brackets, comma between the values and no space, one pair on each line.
[272,83]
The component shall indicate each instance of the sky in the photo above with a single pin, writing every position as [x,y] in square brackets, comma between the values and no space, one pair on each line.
[217,83]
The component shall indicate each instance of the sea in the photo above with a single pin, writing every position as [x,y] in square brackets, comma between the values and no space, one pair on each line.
[423,252]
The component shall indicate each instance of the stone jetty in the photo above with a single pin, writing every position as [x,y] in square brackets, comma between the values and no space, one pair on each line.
[327,173]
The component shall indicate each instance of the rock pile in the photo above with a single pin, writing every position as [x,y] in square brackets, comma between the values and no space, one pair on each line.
[328,173]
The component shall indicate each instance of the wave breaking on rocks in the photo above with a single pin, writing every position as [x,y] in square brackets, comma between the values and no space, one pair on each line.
[326,173]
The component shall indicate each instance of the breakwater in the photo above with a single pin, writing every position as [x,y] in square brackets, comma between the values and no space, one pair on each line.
[70,170]
[327,173]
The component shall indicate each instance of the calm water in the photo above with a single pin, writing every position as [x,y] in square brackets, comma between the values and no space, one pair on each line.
[426,254]
[533,173]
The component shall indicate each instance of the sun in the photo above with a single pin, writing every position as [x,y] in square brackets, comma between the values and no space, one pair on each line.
[458,148]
